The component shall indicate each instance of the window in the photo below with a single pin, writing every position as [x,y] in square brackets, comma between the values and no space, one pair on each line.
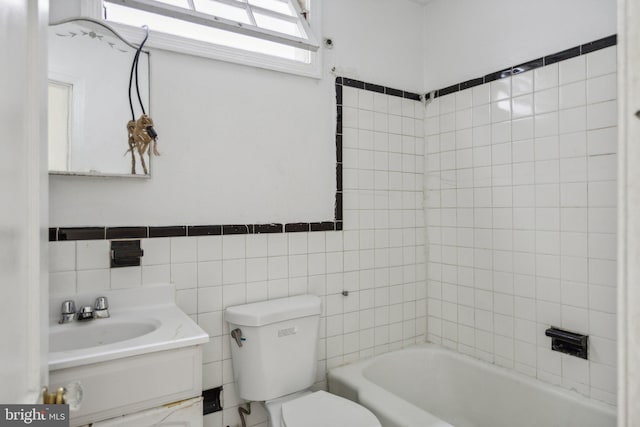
[272,34]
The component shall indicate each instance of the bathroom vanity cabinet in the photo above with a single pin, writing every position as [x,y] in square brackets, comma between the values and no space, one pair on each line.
[126,386]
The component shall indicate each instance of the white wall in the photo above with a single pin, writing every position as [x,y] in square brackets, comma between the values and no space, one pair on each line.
[377,41]
[465,39]
[63,9]
[232,137]
[521,215]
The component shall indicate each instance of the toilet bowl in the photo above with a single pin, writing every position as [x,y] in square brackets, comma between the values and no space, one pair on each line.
[318,409]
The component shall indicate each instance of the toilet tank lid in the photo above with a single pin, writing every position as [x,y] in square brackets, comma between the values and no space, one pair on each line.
[276,310]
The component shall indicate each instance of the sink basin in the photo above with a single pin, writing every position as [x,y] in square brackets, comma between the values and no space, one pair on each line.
[93,333]
[143,320]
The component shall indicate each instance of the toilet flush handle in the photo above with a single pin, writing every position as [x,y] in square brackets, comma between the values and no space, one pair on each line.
[236,334]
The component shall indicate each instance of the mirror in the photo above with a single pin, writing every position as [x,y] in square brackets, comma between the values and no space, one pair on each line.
[89,69]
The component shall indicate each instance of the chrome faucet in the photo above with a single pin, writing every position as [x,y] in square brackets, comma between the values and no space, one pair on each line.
[85,313]
[99,311]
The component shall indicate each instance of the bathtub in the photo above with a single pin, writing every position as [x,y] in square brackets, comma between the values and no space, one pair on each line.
[430,386]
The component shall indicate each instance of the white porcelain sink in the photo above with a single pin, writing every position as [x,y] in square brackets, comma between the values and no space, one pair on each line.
[147,354]
[99,332]
[143,320]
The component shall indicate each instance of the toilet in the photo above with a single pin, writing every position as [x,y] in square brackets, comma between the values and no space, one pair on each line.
[274,347]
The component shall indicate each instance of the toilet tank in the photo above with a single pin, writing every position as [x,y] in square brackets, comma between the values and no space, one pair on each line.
[279,352]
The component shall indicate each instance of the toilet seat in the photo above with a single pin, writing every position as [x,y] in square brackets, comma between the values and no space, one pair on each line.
[322,409]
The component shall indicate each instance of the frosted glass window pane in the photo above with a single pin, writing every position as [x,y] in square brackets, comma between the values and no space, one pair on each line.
[275,24]
[275,5]
[248,28]
[222,10]
[135,17]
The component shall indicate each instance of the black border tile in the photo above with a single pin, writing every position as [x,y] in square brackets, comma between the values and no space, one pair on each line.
[561,56]
[374,88]
[127,233]
[338,148]
[497,75]
[53,234]
[412,96]
[599,44]
[81,233]
[339,120]
[267,228]
[353,83]
[338,94]
[394,92]
[168,231]
[427,96]
[338,225]
[471,83]
[323,226]
[237,229]
[297,227]
[338,207]
[527,66]
[339,177]
[204,230]
[449,89]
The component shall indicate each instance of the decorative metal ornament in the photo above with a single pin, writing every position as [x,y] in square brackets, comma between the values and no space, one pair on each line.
[141,134]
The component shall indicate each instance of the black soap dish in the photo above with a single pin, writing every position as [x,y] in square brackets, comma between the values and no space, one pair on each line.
[125,253]
[568,342]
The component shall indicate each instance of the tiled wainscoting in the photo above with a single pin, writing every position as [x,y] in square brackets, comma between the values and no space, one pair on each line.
[378,258]
[521,220]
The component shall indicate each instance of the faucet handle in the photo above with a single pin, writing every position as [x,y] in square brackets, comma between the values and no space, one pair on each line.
[102,303]
[102,308]
[67,312]
[68,307]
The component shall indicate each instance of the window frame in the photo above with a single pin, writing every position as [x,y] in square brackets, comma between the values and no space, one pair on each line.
[174,43]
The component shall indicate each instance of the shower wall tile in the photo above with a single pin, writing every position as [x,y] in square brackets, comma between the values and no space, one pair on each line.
[521,220]
[62,256]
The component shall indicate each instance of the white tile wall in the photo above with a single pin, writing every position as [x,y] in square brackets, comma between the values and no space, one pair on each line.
[521,220]
[379,257]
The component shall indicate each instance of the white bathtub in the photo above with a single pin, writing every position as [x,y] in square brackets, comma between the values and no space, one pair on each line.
[429,386]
